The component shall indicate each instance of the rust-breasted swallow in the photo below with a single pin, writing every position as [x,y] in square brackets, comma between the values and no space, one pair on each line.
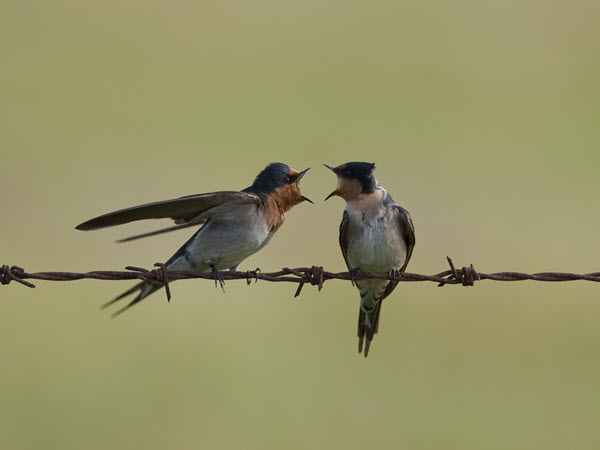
[235,224]
[376,235]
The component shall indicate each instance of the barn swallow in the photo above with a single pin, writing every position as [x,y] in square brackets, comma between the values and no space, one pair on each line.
[376,235]
[235,224]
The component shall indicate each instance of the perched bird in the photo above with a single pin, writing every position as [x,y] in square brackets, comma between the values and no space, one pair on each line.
[235,224]
[376,235]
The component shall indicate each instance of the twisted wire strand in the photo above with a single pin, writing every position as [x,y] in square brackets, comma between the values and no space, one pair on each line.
[315,275]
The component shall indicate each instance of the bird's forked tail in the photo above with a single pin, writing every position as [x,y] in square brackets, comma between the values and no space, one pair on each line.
[145,288]
[368,326]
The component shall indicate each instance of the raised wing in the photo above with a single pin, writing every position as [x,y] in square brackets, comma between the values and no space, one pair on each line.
[161,231]
[190,210]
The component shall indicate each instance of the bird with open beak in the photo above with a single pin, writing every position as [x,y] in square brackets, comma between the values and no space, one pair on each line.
[376,235]
[235,224]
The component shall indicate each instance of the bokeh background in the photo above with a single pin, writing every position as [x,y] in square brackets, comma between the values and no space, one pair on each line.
[483,119]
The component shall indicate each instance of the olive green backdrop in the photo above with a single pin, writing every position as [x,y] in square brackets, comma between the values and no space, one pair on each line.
[482,117]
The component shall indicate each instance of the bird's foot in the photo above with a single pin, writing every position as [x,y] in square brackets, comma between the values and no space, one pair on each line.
[255,272]
[393,274]
[218,277]
[353,274]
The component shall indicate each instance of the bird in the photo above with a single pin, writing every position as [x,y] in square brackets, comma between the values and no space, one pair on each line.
[376,235]
[235,224]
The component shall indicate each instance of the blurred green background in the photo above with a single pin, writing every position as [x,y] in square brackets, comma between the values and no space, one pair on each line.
[483,119]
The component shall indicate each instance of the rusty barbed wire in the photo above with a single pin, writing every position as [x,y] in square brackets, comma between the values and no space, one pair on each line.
[314,275]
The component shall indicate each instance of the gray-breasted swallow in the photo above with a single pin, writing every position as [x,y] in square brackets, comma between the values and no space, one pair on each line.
[235,224]
[376,235]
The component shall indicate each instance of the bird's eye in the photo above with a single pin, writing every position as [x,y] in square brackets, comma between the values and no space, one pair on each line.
[287,180]
[347,173]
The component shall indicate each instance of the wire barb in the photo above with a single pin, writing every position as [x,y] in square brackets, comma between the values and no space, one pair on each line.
[317,276]
[14,273]
[163,276]
[465,276]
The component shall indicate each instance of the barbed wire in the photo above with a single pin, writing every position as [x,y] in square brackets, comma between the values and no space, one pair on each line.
[314,275]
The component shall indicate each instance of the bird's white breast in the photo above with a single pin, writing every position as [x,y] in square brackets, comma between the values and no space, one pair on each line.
[374,242]
[226,240]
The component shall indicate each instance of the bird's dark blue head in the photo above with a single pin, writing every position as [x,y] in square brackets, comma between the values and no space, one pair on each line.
[271,177]
[354,178]
[281,179]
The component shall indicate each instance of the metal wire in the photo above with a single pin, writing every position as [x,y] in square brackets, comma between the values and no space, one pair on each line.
[314,275]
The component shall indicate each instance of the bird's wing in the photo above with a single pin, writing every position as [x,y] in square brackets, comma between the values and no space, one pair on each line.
[161,231]
[344,238]
[407,231]
[190,210]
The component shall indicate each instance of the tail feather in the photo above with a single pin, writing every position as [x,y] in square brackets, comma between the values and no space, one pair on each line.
[145,288]
[135,288]
[376,326]
[368,326]
[361,330]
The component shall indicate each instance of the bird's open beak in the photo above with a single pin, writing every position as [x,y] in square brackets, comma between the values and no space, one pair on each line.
[300,175]
[336,191]
[331,195]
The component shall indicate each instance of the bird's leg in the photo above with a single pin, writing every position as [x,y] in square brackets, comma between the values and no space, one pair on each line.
[393,274]
[218,277]
[353,273]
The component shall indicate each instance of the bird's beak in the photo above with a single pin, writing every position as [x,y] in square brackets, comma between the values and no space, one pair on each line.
[332,194]
[300,175]
[336,191]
